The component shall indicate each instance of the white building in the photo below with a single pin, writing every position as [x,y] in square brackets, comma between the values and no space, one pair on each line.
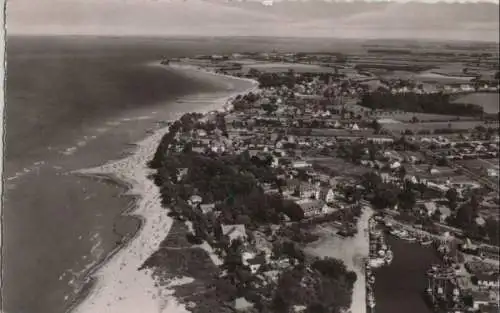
[300,164]
[237,231]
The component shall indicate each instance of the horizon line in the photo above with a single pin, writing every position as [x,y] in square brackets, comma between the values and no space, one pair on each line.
[188,36]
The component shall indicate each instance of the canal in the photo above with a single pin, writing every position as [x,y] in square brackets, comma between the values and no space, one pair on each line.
[399,287]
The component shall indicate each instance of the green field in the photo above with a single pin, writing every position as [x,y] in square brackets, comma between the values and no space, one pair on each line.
[431,126]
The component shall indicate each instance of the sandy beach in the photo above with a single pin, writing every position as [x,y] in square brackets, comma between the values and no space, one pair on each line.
[353,251]
[117,284]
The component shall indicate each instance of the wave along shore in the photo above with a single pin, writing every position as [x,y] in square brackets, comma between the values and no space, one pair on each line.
[117,284]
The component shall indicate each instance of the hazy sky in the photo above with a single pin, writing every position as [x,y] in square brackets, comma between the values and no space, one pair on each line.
[318,18]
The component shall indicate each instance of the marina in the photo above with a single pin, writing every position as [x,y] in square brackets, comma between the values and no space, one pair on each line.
[380,255]
[400,287]
[426,274]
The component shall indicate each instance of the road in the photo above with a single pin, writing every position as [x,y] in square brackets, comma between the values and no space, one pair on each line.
[475,176]
[480,179]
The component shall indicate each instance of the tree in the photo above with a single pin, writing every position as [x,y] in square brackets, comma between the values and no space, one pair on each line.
[316,307]
[452,197]
[376,126]
[292,210]
[269,108]
[436,216]
[407,199]
[385,197]
[253,72]
[370,181]
[401,173]
[465,216]
[492,228]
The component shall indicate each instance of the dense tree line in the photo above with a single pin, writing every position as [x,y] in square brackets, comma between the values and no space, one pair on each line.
[324,287]
[437,103]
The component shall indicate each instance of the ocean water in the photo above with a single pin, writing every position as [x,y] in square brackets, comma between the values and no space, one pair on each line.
[76,103]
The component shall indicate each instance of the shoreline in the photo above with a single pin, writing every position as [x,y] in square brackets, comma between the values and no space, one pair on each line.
[116,282]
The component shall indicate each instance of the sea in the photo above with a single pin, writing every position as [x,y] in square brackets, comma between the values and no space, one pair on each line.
[75,103]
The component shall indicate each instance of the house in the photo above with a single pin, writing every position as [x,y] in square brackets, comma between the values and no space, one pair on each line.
[201,133]
[386,177]
[272,275]
[380,139]
[262,244]
[181,173]
[241,304]
[195,200]
[300,164]
[395,165]
[429,208]
[234,232]
[480,299]
[300,189]
[445,212]
[205,208]
[247,255]
[324,194]
[492,172]
[330,196]
[312,207]
[256,262]
[488,280]
[299,308]
[284,263]
[307,190]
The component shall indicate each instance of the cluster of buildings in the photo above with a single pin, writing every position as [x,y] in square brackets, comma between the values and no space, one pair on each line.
[299,129]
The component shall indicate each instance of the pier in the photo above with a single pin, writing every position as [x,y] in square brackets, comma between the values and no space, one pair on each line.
[380,255]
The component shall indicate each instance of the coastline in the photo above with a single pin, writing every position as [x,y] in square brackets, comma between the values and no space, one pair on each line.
[116,283]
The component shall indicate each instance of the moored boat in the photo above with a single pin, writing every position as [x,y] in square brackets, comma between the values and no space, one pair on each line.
[376,262]
[371,279]
[426,242]
[389,257]
[395,232]
[371,300]
[410,239]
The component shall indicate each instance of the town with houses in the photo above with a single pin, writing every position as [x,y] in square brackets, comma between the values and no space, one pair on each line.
[373,147]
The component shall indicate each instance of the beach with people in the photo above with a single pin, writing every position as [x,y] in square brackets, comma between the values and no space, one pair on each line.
[117,283]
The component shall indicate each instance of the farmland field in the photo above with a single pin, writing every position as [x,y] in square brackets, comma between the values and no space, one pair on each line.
[480,166]
[431,126]
[488,100]
[423,117]
[428,76]
[336,166]
[475,165]
[280,67]
[490,163]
